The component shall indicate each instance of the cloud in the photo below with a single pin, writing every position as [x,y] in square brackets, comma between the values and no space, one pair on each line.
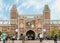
[4,10]
[0,2]
[55,10]
[36,5]
[30,6]
[1,6]
[2,17]
[20,12]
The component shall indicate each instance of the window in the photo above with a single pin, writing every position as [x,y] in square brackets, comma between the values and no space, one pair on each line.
[30,16]
[47,21]
[30,23]
[58,22]
[13,21]
[1,22]
[54,22]
[39,25]
[1,29]
[21,25]
[32,26]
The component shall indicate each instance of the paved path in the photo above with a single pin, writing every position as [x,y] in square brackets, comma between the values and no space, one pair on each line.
[30,41]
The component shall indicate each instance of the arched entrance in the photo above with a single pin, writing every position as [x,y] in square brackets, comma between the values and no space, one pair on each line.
[30,34]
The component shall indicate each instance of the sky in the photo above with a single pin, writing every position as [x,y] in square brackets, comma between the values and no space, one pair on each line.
[29,7]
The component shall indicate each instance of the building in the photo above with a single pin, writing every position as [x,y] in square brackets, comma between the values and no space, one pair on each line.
[30,24]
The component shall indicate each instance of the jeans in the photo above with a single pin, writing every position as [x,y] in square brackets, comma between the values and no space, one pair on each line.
[4,40]
[55,41]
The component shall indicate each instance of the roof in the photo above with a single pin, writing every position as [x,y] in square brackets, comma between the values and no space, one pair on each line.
[31,16]
[46,8]
[55,22]
[14,8]
[4,22]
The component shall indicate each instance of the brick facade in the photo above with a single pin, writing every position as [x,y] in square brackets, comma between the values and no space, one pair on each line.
[36,22]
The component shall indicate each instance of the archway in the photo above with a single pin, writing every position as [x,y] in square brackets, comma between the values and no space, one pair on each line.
[30,34]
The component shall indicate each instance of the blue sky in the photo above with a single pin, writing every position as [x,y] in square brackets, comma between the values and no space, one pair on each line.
[29,7]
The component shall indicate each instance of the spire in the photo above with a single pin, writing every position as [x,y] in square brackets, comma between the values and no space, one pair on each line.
[46,8]
[14,8]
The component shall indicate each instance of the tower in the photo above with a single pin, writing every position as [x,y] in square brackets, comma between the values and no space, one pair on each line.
[14,18]
[46,19]
[13,12]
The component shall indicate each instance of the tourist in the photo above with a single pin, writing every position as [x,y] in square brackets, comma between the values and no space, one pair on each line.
[26,38]
[40,37]
[13,37]
[55,38]
[22,37]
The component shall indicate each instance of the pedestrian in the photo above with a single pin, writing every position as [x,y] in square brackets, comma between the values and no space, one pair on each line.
[55,38]
[22,37]
[40,37]
[4,35]
[26,38]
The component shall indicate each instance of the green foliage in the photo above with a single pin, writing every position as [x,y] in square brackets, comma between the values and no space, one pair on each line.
[52,33]
[0,33]
[7,32]
[59,33]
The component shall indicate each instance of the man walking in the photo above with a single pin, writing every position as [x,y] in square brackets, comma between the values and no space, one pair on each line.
[55,38]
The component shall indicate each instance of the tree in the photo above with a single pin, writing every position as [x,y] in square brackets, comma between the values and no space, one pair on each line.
[8,31]
[59,33]
[0,33]
[52,33]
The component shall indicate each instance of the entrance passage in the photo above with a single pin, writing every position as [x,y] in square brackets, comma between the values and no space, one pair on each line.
[30,34]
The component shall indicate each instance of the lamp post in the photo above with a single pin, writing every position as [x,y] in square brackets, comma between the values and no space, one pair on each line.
[44,32]
[16,33]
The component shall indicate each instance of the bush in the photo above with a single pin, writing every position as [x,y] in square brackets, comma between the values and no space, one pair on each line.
[0,33]
[52,33]
[59,33]
[7,32]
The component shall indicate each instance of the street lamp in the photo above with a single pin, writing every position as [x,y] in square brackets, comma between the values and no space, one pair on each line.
[16,33]
[44,32]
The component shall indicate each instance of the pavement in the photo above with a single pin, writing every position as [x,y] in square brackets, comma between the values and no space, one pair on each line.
[30,41]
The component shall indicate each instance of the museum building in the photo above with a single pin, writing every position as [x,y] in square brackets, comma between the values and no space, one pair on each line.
[29,24]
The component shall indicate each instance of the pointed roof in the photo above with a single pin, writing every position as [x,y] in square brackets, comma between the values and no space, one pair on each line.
[46,8]
[14,8]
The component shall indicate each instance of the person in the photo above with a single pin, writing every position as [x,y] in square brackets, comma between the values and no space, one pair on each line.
[40,37]
[13,37]
[22,37]
[4,35]
[0,38]
[55,38]
[26,38]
